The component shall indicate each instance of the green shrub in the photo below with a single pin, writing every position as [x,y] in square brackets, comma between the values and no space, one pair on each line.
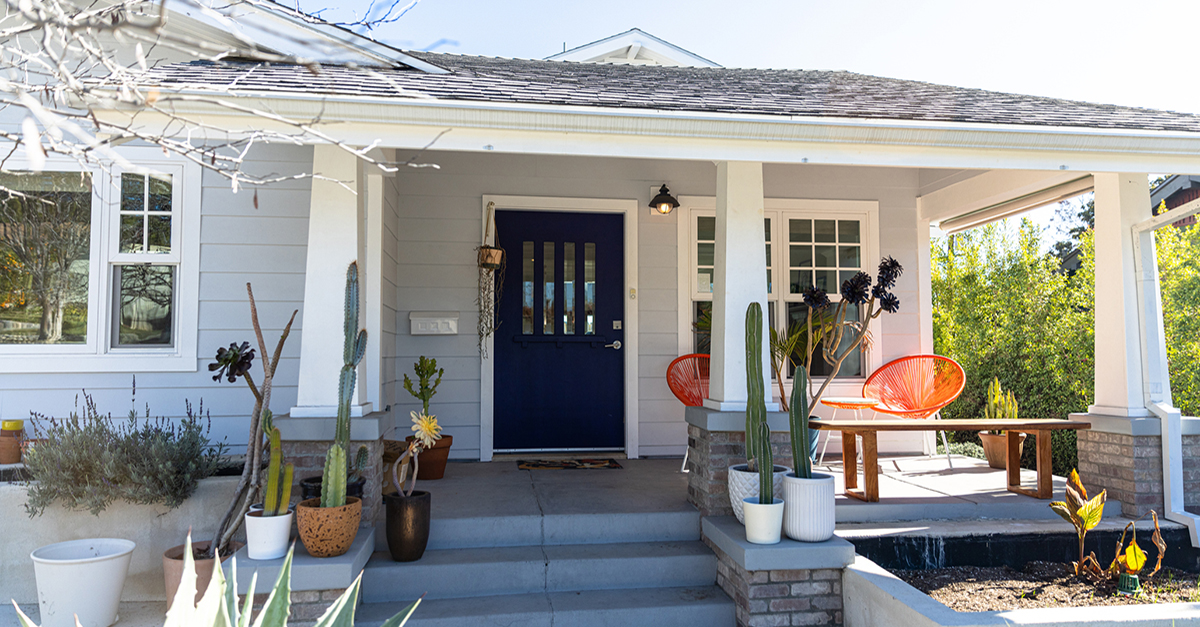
[87,462]
[1002,309]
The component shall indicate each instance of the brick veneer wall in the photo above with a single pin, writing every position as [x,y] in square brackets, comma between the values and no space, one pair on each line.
[1130,468]
[309,459]
[710,454]
[780,597]
[307,605]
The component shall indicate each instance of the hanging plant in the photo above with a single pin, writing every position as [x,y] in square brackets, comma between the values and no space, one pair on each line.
[491,282]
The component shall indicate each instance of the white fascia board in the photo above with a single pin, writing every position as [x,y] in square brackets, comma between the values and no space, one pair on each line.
[987,189]
[278,28]
[642,133]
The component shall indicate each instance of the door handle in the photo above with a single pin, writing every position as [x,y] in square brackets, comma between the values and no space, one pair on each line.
[616,345]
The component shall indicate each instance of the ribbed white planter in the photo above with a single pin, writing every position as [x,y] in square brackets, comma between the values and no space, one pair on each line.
[81,578]
[809,515]
[763,522]
[743,484]
[267,536]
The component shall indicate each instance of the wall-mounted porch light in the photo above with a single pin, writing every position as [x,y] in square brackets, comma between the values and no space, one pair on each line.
[664,202]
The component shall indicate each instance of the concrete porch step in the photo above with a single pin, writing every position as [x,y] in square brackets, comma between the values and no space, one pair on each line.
[699,606]
[459,573]
[583,528]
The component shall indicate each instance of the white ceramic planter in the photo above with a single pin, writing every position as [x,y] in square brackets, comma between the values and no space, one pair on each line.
[267,536]
[764,523]
[81,578]
[743,484]
[809,515]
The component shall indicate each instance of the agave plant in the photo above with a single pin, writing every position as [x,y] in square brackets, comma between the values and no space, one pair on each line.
[219,606]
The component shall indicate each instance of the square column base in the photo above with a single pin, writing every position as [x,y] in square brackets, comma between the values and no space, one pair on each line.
[716,441]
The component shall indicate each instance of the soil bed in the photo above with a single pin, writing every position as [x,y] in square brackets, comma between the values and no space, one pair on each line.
[1040,584]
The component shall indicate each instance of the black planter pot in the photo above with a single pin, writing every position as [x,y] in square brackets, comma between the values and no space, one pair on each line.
[407,525]
[310,488]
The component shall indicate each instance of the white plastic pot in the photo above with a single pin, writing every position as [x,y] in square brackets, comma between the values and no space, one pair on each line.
[764,523]
[81,578]
[267,536]
[743,484]
[809,515]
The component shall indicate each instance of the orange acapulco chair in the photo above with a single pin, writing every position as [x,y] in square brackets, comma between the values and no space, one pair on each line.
[916,387]
[687,377]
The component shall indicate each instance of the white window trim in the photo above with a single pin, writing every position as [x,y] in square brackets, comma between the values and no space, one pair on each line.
[867,211]
[99,354]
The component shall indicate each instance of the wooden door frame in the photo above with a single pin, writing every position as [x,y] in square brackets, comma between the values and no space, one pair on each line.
[629,209]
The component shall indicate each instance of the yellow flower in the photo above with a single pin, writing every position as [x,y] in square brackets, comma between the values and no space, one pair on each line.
[426,429]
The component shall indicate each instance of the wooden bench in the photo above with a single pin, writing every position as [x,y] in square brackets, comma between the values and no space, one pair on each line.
[866,429]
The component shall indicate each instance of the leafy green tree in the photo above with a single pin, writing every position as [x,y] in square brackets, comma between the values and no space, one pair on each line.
[1002,309]
[1179,280]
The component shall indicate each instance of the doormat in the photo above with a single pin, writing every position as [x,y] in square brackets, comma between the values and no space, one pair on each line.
[566,464]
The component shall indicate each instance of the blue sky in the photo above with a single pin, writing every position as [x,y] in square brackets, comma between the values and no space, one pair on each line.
[1110,51]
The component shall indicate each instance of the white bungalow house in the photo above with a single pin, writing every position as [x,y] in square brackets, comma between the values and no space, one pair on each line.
[783,178]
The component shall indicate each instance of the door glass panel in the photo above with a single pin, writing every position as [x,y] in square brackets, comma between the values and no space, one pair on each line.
[527,288]
[705,253]
[548,288]
[826,256]
[827,280]
[569,288]
[767,229]
[802,256]
[706,228]
[801,280]
[589,289]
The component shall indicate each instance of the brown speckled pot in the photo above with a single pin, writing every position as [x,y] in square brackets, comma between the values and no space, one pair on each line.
[328,531]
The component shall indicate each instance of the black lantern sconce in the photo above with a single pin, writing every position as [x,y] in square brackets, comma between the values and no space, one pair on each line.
[664,202]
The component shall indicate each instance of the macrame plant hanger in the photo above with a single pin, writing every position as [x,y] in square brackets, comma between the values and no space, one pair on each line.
[491,281]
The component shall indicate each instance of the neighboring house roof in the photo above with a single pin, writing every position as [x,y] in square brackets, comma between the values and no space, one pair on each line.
[1176,190]
[711,90]
[633,47]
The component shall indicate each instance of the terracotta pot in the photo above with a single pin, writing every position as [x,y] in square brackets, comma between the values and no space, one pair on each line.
[10,447]
[407,525]
[431,463]
[328,531]
[995,448]
[173,568]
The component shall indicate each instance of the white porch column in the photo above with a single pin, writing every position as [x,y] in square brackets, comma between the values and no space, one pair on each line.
[336,237]
[1122,200]
[740,277]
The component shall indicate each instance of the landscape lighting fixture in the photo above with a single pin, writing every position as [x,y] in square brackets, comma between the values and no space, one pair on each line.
[664,202]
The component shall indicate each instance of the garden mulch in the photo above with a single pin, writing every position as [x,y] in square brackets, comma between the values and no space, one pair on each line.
[1041,584]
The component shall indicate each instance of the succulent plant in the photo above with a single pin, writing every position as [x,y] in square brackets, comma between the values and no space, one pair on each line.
[425,369]
[334,477]
[232,362]
[758,433]
[815,297]
[278,495]
[857,288]
[889,271]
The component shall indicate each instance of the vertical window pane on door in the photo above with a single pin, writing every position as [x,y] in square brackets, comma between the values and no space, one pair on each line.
[589,289]
[548,288]
[767,228]
[144,297]
[45,245]
[706,236]
[569,288]
[527,288]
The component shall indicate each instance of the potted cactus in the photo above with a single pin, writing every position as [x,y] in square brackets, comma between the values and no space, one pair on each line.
[809,516]
[435,455]
[1000,406]
[329,523]
[268,529]
[742,479]
[763,512]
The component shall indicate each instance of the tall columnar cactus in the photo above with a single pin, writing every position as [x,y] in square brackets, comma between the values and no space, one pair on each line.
[798,425]
[1000,406]
[333,480]
[758,434]
[279,480]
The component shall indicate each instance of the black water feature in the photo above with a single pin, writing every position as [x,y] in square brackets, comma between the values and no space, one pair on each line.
[1015,550]
[407,525]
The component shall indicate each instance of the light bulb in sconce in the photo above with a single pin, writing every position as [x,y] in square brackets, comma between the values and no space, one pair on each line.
[664,202]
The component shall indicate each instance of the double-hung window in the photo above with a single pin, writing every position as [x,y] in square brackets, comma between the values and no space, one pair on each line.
[99,267]
[808,243]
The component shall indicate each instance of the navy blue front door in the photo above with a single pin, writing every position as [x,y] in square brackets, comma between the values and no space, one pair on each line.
[559,367]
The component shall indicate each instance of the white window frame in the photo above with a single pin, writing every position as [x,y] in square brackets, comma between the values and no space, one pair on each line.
[779,210]
[99,353]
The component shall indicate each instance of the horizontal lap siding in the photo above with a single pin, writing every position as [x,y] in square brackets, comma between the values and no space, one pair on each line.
[238,244]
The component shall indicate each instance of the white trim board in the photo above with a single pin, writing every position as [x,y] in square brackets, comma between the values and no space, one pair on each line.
[629,208]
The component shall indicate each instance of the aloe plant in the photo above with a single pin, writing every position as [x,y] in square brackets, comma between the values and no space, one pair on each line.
[219,606]
[333,479]
[758,433]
